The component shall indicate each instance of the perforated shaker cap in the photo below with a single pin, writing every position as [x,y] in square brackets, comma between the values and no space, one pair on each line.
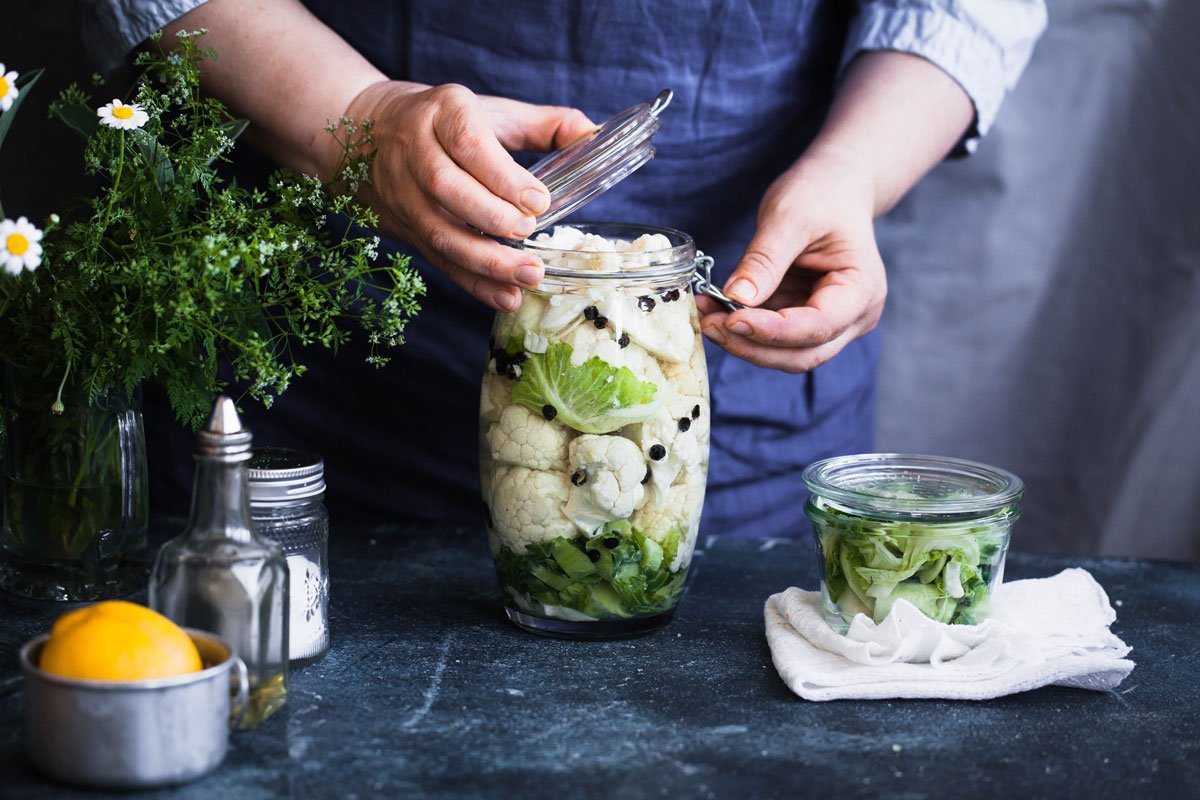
[589,167]
[280,476]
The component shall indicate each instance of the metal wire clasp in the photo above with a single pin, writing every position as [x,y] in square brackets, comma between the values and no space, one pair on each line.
[702,283]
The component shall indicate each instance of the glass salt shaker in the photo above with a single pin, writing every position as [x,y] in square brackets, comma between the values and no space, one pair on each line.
[219,575]
[286,490]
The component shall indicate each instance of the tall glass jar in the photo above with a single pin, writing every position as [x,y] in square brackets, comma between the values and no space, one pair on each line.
[75,498]
[594,433]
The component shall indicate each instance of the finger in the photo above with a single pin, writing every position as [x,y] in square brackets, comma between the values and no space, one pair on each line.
[834,308]
[523,126]
[456,190]
[791,360]
[706,305]
[465,132]
[767,259]
[451,246]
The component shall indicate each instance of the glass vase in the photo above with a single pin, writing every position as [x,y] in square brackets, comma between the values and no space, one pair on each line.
[75,493]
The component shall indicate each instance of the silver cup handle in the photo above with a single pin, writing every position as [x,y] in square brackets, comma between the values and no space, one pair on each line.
[241,698]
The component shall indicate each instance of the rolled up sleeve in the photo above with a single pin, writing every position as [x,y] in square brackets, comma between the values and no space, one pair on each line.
[113,28]
[984,45]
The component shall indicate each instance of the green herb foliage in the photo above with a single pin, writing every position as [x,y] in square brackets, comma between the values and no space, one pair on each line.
[618,573]
[171,268]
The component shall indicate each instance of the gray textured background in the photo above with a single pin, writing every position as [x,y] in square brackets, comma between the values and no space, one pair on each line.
[1043,311]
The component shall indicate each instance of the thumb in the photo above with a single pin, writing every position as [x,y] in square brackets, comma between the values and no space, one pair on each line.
[767,259]
[523,126]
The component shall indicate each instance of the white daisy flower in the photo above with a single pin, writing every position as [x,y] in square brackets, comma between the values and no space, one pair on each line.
[20,246]
[126,116]
[8,89]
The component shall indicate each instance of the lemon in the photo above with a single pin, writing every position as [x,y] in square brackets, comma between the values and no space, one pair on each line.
[118,641]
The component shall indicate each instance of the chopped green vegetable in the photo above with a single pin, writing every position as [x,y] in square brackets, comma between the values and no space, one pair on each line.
[594,397]
[616,574]
[943,570]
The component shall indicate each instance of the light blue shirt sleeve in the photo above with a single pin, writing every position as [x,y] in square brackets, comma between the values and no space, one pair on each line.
[983,44]
[113,28]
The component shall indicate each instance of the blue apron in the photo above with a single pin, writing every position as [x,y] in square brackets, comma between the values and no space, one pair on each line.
[752,81]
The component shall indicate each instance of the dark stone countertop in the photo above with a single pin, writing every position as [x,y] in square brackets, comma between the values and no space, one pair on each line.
[428,692]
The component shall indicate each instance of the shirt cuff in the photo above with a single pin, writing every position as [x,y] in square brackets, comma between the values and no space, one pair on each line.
[113,28]
[969,56]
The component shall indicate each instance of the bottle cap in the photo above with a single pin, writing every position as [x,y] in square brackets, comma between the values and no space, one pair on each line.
[280,476]
[223,438]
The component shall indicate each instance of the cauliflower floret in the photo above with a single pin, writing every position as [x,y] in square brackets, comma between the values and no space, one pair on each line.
[527,506]
[606,480]
[679,509]
[690,378]
[494,396]
[527,439]
[533,306]
[662,327]
[587,341]
[562,312]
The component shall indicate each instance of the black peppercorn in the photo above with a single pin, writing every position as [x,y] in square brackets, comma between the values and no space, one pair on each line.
[579,477]
[646,303]
[611,542]
[623,342]
[685,423]
[670,296]
[549,411]
[600,322]
[594,555]
[519,358]
[658,452]
[590,313]
[511,372]
[696,411]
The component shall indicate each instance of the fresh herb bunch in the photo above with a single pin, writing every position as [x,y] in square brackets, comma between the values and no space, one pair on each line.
[171,268]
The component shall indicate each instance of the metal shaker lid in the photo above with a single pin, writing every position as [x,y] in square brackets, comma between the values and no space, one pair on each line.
[280,476]
[224,438]
[583,170]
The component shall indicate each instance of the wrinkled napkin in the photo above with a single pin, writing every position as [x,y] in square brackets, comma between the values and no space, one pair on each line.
[1042,631]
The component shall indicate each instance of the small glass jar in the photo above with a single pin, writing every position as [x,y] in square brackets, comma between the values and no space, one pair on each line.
[594,433]
[930,530]
[286,490]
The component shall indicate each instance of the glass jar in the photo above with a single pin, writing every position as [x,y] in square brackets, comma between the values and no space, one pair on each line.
[594,433]
[75,489]
[286,490]
[926,529]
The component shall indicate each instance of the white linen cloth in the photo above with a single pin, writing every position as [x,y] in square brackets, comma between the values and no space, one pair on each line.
[1042,631]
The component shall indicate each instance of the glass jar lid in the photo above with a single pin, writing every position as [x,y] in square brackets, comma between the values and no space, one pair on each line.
[280,476]
[905,486]
[590,166]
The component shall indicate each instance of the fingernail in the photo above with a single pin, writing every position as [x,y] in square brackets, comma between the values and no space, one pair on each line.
[508,300]
[535,201]
[743,290]
[529,275]
[715,333]
[740,327]
[523,228]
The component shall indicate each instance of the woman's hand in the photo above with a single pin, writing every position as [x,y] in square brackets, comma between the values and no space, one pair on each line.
[812,274]
[442,173]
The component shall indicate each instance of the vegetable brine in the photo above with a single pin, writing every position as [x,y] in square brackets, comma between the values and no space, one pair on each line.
[594,430]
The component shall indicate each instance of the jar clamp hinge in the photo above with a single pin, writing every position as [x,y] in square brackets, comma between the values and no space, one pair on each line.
[702,283]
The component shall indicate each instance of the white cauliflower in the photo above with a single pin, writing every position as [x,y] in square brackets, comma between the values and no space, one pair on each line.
[562,312]
[527,439]
[494,396]
[690,378]
[670,450]
[587,341]
[678,510]
[606,480]
[665,329]
[526,318]
[527,506]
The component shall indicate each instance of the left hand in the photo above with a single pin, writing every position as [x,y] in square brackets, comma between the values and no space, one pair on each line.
[812,274]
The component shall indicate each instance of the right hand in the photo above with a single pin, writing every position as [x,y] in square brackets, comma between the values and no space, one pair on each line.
[442,164]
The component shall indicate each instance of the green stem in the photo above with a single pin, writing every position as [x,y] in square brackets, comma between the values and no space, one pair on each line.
[116,182]
[57,408]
